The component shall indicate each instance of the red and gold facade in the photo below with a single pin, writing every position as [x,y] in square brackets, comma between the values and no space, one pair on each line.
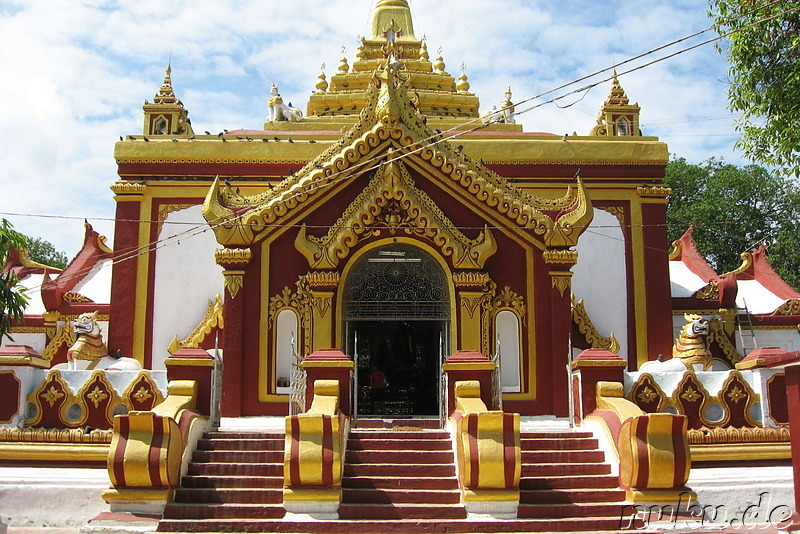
[301,212]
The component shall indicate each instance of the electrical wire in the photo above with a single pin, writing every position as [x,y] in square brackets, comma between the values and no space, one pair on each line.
[453,132]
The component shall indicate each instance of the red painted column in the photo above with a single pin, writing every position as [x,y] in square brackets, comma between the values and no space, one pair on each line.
[330,364]
[559,263]
[193,363]
[656,263]
[469,365]
[124,272]
[233,261]
[593,366]
[793,401]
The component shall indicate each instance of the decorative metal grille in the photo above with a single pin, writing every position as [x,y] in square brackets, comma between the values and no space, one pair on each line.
[297,398]
[497,379]
[399,283]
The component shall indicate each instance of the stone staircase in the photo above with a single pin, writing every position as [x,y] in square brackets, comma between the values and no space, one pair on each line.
[399,477]
[566,482]
[400,474]
[232,476]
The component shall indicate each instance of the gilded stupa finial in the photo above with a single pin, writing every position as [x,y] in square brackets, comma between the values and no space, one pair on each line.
[166,95]
[395,12]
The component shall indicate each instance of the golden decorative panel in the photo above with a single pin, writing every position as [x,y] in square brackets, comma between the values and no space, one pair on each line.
[392,203]
[213,318]
[581,319]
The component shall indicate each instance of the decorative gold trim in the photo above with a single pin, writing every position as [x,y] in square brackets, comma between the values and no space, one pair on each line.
[560,256]
[71,296]
[392,202]
[234,281]
[738,435]
[562,281]
[97,396]
[164,210]
[233,256]
[740,451]
[616,211]
[716,334]
[63,336]
[144,374]
[654,191]
[581,319]
[734,396]
[213,318]
[299,302]
[55,435]
[468,279]
[80,452]
[677,248]
[747,263]
[318,279]
[708,292]
[790,307]
[123,187]
[510,300]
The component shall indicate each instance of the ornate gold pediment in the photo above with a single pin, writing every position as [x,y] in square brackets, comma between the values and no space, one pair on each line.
[390,126]
[392,203]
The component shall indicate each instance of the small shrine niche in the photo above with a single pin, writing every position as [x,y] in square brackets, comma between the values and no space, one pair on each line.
[166,114]
[618,117]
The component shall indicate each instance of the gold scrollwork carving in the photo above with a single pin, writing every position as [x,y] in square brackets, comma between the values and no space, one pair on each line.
[213,318]
[234,281]
[561,281]
[790,307]
[616,211]
[63,336]
[299,301]
[716,334]
[581,319]
[164,210]
[391,202]
[708,292]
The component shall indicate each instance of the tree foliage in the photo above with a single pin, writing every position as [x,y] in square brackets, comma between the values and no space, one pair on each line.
[764,56]
[12,295]
[44,252]
[734,210]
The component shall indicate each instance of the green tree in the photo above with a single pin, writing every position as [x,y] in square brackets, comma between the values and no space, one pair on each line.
[12,295]
[44,252]
[735,209]
[764,56]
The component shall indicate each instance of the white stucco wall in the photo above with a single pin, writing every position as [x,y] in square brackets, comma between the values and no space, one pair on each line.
[96,285]
[186,278]
[600,277]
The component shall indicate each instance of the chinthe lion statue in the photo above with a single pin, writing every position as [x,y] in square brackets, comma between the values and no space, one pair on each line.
[90,347]
[690,350]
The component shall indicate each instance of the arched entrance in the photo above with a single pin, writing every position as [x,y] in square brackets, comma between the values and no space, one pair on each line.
[396,312]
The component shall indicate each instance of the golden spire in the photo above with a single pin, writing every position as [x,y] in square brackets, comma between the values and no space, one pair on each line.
[617,97]
[393,11]
[165,94]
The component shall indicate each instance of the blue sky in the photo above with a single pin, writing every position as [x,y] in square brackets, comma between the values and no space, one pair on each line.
[76,73]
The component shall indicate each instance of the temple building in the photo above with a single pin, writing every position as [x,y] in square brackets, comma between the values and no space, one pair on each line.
[394,253]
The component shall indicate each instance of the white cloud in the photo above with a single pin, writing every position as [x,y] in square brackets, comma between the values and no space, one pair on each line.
[76,73]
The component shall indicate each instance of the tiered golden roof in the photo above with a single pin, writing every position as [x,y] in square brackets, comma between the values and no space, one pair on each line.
[432,89]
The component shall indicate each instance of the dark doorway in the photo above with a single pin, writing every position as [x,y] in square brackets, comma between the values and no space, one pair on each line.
[407,354]
[396,311]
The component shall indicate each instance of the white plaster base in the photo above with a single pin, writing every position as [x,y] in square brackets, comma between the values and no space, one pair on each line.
[51,497]
[139,507]
[480,510]
[254,423]
[310,510]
